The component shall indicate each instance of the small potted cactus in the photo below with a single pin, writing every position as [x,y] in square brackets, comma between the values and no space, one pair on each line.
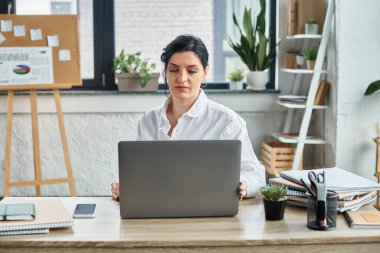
[311,55]
[236,76]
[274,197]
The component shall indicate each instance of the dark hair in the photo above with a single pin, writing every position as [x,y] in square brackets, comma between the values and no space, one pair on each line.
[184,43]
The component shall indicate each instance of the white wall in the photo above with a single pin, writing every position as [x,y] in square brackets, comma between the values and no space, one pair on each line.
[95,128]
[148,26]
[358,64]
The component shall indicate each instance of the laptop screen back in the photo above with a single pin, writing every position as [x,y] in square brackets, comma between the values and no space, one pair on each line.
[179,178]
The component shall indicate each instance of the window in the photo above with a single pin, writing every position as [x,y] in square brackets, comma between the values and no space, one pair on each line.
[147,26]
[225,58]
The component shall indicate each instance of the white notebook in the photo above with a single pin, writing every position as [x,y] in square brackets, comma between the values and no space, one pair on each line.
[50,213]
[25,232]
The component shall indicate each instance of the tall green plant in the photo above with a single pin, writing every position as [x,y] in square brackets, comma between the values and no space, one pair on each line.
[253,45]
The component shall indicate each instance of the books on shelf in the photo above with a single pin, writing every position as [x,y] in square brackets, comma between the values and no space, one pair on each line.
[363,218]
[22,211]
[291,17]
[49,213]
[298,12]
[322,92]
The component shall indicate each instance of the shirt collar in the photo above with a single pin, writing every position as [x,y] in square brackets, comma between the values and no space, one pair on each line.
[195,110]
[199,106]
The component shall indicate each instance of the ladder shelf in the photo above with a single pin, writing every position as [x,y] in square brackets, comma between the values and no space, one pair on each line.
[301,138]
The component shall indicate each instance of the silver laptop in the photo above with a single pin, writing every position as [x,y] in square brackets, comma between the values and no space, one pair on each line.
[160,179]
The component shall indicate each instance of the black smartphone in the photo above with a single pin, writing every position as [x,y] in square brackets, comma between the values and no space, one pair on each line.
[84,211]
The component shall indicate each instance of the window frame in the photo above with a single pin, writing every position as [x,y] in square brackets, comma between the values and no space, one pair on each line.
[104,45]
[220,32]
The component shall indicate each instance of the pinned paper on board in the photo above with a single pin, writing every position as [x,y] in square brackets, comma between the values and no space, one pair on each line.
[6,25]
[19,31]
[53,40]
[2,38]
[35,34]
[64,55]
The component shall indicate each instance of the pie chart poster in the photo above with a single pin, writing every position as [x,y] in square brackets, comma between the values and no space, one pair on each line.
[26,65]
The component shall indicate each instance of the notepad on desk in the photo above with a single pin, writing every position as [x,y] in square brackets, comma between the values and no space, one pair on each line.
[22,211]
[49,213]
[363,219]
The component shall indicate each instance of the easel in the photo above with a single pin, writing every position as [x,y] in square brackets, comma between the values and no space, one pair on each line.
[66,74]
[36,147]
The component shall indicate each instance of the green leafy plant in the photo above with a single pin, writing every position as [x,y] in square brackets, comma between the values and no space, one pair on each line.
[236,75]
[311,53]
[274,192]
[372,88]
[252,48]
[312,21]
[134,64]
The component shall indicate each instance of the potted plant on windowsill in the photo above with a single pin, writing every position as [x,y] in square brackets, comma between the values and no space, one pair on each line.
[236,76]
[311,55]
[311,26]
[253,47]
[274,197]
[134,73]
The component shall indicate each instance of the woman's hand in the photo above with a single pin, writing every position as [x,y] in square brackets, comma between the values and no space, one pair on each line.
[242,190]
[115,190]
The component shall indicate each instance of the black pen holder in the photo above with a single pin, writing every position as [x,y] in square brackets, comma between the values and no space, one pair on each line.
[314,213]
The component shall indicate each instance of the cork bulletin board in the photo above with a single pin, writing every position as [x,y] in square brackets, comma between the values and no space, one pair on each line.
[56,36]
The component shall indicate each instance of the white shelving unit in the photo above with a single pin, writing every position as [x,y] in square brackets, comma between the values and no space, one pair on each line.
[307,106]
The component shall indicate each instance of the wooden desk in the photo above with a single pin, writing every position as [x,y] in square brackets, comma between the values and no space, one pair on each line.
[247,232]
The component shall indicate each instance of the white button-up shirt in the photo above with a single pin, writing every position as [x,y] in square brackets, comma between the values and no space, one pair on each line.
[207,120]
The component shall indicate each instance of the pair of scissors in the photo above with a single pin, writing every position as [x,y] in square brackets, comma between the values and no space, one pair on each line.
[318,185]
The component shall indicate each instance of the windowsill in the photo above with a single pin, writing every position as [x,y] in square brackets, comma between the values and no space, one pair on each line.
[113,101]
[159,92]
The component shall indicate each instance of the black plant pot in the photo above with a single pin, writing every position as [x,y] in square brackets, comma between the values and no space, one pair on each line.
[274,210]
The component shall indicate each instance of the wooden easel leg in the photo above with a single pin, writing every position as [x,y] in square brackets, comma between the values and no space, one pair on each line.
[8,143]
[64,142]
[36,140]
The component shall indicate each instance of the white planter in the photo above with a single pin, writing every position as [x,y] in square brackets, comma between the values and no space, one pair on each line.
[130,82]
[257,80]
[311,28]
[236,85]
[300,59]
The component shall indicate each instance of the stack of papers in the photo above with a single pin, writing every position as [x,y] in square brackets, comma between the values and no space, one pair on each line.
[353,191]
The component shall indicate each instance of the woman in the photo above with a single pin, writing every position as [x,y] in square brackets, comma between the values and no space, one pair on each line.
[189,115]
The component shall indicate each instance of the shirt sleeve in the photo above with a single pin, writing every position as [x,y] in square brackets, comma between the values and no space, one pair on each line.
[252,172]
